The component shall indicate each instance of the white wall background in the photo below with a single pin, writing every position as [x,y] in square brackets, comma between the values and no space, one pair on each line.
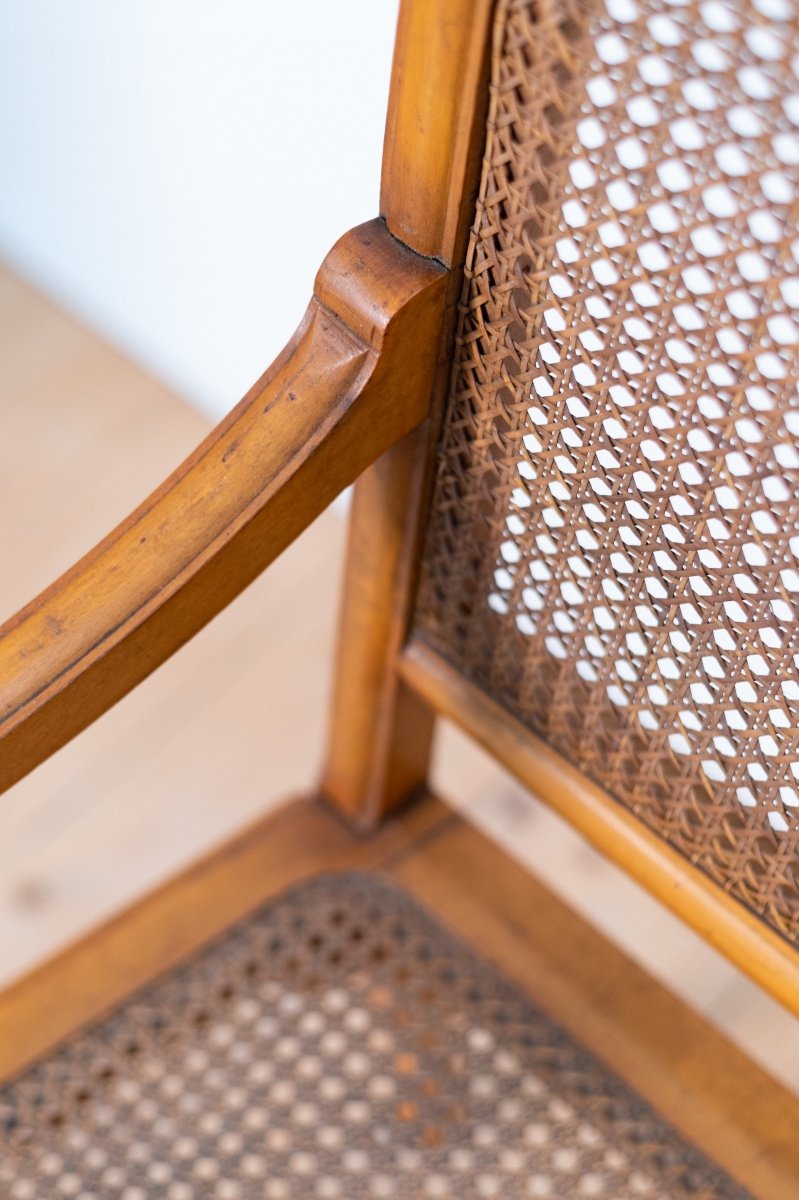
[173,171]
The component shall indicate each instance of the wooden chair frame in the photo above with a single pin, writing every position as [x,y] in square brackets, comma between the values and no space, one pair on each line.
[356,394]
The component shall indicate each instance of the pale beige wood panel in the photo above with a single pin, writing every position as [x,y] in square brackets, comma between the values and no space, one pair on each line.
[224,730]
[342,392]
[235,721]
[204,898]
[84,435]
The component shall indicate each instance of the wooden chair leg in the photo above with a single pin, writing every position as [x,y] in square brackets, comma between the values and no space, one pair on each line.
[381,732]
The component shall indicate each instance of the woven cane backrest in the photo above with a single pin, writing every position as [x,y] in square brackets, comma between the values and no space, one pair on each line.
[613,546]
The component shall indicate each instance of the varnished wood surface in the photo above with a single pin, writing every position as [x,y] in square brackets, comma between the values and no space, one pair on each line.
[355,378]
[122,954]
[84,434]
[380,734]
[230,725]
[721,920]
[439,69]
[697,1079]
[219,732]
[750,1152]
[380,731]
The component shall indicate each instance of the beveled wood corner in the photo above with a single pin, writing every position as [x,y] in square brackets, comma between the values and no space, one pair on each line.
[701,1082]
[768,959]
[381,732]
[355,378]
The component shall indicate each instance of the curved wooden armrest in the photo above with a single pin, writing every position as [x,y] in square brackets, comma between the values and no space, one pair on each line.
[355,377]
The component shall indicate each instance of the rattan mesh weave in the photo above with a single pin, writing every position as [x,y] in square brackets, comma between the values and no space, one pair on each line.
[612,551]
[338,1044]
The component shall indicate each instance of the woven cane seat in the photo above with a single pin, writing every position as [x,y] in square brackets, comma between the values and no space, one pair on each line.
[337,1044]
[613,553]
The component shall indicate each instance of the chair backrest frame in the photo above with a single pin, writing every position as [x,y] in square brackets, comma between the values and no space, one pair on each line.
[391,681]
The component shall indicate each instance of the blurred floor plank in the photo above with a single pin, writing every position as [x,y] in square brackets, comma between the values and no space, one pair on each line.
[230,725]
[234,722]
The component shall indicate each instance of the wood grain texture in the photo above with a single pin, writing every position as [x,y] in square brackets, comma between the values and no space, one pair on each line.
[381,733]
[98,971]
[689,1072]
[429,177]
[615,831]
[176,768]
[98,433]
[353,380]
[359,375]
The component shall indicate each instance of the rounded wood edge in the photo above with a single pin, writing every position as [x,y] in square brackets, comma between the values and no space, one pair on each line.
[438,92]
[690,1072]
[380,732]
[721,920]
[88,978]
[355,378]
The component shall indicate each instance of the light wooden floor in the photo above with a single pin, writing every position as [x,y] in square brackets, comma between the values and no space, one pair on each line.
[235,722]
